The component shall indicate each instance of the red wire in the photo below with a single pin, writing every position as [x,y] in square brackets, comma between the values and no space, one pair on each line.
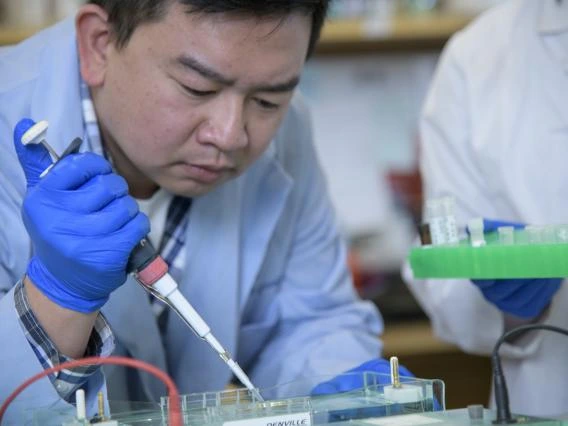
[174,406]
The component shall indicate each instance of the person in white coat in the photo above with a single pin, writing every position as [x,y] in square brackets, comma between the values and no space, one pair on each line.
[494,135]
[192,102]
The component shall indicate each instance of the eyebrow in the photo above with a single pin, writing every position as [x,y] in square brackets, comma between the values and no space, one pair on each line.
[211,74]
[286,86]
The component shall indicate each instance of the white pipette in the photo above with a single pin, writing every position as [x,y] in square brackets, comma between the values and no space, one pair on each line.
[151,271]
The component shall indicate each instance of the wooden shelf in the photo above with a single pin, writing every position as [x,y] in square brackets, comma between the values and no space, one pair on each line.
[404,33]
[13,35]
[413,338]
[401,33]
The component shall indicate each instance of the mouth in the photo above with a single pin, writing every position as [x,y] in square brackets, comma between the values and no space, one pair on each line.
[206,174]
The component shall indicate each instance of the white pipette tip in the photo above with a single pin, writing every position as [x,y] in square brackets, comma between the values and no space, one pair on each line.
[36,133]
[168,289]
[243,378]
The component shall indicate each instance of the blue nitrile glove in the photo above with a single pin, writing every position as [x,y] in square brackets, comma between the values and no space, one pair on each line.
[351,380]
[82,223]
[354,379]
[524,298]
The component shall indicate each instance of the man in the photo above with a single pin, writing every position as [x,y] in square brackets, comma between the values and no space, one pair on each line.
[192,102]
[494,135]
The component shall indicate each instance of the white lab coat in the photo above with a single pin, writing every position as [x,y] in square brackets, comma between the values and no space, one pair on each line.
[494,134]
[265,266]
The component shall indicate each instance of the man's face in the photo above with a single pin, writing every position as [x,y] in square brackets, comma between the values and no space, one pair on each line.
[192,100]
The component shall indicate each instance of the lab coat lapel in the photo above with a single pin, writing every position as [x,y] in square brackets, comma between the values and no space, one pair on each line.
[225,252]
[211,285]
[264,205]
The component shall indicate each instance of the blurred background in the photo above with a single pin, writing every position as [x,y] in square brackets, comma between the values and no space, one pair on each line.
[366,85]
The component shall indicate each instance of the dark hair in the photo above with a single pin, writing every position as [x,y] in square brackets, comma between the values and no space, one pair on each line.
[126,15]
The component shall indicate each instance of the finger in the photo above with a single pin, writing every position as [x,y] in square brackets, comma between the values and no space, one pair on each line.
[91,197]
[326,388]
[378,365]
[34,158]
[100,191]
[490,225]
[501,290]
[127,237]
[110,219]
[75,170]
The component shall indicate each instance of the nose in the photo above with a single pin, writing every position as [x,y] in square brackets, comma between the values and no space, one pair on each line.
[225,125]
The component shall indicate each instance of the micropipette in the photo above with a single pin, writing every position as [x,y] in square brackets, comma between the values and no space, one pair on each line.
[151,272]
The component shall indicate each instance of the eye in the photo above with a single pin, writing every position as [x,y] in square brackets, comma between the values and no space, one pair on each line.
[198,93]
[266,104]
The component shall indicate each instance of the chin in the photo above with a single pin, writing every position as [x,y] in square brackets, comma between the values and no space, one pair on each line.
[188,189]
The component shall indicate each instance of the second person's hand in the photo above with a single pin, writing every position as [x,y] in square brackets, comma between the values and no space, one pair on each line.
[522,297]
[353,379]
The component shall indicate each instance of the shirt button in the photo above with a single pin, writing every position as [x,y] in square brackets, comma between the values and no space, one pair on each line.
[62,387]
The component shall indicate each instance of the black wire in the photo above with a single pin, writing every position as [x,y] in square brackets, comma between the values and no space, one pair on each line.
[500,385]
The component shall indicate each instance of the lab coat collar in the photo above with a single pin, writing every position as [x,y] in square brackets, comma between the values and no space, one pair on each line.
[553,17]
[56,97]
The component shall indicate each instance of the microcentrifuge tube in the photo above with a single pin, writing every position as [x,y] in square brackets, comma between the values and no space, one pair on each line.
[476,237]
[506,235]
[450,224]
[534,234]
[549,234]
[562,234]
[435,218]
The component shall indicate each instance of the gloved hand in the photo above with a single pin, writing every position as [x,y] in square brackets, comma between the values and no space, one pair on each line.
[353,378]
[524,298]
[82,223]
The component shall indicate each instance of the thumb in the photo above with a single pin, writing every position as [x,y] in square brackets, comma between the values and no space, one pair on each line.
[34,158]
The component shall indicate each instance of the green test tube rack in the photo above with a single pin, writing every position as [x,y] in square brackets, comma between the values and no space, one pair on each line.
[522,259]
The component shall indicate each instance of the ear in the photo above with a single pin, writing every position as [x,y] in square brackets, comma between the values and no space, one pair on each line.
[94,42]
